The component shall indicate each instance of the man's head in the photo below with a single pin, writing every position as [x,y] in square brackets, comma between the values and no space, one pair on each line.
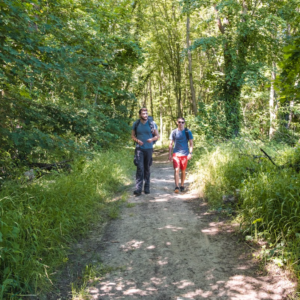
[180,122]
[143,112]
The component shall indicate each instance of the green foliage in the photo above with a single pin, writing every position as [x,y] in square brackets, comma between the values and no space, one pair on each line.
[210,120]
[65,68]
[50,127]
[236,47]
[206,43]
[267,196]
[40,219]
[222,168]
[288,82]
[247,42]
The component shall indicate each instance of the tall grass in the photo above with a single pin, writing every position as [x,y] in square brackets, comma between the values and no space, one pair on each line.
[39,219]
[268,197]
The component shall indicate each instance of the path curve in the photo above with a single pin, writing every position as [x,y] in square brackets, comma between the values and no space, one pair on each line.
[168,247]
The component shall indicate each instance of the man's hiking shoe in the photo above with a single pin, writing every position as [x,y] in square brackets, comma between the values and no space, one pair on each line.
[182,189]
[137,193]
[176,189]
[147,192]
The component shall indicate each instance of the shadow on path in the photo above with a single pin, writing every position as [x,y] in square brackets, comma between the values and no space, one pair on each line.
[167,246]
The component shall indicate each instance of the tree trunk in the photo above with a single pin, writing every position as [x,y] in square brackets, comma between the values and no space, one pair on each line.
[234,69]
[151,100]
[272,104]
[145,96]
[231,94]
[194,105]
[178,82]
[160,113]
[290,115]
[161,123]
[232,109]
[290,104]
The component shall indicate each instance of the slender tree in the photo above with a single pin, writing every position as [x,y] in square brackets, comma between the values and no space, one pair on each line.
[193,96]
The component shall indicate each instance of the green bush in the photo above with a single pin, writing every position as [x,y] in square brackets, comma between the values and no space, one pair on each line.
[39,219]
[268,196]
[220,169]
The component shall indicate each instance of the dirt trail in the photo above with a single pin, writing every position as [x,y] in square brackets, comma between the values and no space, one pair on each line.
[168,247]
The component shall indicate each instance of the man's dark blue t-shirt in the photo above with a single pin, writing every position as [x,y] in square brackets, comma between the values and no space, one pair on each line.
[143,133]
[181,143]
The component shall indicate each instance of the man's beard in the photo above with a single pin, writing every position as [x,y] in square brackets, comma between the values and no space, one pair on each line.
[144,118]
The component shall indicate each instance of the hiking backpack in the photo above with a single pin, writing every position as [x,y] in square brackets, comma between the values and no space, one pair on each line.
[151,124]
[186,134]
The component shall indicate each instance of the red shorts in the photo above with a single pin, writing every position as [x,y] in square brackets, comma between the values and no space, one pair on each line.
[179,162]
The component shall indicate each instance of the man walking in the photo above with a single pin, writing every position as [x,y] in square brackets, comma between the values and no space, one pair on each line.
[183,138]
[144,133]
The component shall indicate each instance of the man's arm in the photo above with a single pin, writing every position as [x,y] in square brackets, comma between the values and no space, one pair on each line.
[155,138]
[170,150]
[191,149]
[156,135]
[135,138]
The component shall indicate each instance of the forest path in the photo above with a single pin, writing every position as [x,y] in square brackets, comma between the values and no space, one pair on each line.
[168,246]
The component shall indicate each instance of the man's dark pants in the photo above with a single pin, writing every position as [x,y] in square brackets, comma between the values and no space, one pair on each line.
[143,160]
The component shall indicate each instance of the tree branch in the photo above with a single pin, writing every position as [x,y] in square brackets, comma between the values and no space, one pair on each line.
[244,10]
[254,8]
[219,22]
[268,157]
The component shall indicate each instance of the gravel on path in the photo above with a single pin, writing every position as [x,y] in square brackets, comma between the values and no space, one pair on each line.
[168,246]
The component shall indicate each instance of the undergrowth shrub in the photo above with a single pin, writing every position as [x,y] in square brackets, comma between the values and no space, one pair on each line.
[268,196]
[39,219]
[221,168]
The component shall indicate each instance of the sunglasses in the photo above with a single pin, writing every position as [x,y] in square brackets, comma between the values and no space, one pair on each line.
[180,122]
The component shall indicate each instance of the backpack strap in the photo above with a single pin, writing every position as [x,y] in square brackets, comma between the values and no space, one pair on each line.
[151,124]
[152,127]
[137,123]
[187,134]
